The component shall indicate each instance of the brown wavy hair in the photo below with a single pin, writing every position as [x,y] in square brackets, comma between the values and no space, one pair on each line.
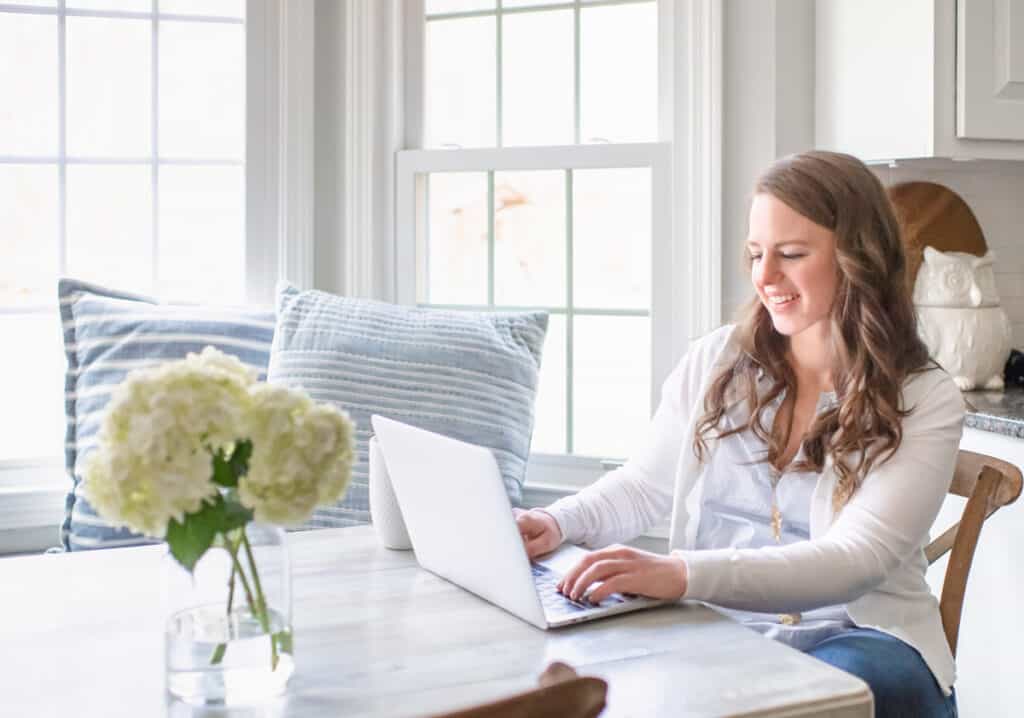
[874,343]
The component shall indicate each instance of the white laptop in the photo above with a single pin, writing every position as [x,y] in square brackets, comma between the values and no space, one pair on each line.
[460,522]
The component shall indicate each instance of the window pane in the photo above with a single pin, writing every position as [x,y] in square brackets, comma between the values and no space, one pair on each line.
[32,386]
[461,89]
[611,384]
[457,240]
[28,226]
[440,6]
[131,5]
[35,3]
[110,211]
[202,90]
[28,84]
[550,406]
[201,238]
[216,8]
[619,73]
[529,238]
[108,87]
[612,238]
[537,78]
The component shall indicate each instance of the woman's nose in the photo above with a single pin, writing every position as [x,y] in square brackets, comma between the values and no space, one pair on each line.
[766,269]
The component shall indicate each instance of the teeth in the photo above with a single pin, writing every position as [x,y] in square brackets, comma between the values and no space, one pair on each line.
[782,298]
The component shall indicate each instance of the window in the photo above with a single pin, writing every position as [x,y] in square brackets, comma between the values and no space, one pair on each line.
[122,161]
[541,185]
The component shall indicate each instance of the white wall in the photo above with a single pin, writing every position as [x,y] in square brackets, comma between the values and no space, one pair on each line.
[768,112]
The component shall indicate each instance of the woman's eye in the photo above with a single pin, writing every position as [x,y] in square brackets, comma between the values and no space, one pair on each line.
[755,257]
[792,256]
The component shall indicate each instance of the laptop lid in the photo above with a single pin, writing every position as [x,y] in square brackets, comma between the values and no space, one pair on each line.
[458,515]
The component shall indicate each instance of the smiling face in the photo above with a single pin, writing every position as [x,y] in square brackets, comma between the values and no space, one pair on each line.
[793,267]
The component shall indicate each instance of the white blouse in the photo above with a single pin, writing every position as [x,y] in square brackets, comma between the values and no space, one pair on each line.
[869,557]
[736,512]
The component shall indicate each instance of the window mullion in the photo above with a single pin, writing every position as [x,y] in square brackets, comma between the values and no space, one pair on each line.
[569,311]
[490,239]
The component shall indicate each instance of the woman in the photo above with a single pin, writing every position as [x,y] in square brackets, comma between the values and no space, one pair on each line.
[803,453]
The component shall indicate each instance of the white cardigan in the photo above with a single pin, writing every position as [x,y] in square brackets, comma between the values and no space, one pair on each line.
[869,558]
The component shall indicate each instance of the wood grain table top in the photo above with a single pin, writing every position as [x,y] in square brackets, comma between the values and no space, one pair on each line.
[375,635]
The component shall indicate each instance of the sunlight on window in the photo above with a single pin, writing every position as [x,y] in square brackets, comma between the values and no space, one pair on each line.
[549,425]
[461,106]
[457,261]
[28,220]
[189,83]
[612,238]
[611,384]
[28,112]
[619,73]
[529,238]
[202,215]
[537,72]
[109,99]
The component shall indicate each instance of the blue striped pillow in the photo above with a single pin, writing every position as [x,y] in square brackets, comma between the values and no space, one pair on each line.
[106,335]
[469,375]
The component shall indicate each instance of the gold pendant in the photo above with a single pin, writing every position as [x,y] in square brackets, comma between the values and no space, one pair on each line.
[789,619]
[776,523]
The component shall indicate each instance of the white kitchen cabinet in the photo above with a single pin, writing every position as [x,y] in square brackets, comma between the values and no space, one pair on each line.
[920,78]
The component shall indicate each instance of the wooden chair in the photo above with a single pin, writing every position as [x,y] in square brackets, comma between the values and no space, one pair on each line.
[562,694]
[988,484]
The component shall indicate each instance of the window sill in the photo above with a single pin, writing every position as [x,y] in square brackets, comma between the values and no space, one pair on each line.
[31,505]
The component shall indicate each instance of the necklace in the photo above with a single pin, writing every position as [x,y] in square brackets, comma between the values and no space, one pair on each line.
[787,619]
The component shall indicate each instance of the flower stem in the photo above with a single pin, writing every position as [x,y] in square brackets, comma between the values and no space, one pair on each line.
[261,599]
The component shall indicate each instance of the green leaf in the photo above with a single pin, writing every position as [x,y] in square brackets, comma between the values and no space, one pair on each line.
[227,470]
[240,457]
[223,474]
[190,539]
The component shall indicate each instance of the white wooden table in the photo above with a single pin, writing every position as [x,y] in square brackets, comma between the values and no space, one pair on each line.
[80,635]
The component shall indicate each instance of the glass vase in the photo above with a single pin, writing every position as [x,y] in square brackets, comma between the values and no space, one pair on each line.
[228,633]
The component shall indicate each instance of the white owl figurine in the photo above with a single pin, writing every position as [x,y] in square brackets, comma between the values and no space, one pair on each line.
[959,317]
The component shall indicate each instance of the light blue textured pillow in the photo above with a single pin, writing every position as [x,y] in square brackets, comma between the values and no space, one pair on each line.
[469,375]
[106,335]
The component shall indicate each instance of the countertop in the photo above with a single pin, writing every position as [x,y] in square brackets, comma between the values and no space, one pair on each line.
[1001,412]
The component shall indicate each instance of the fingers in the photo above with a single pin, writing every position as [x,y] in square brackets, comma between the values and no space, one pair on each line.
[612,552]
[601,571]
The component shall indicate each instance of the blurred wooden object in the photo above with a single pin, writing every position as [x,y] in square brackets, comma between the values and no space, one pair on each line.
[563,694]
[934,216]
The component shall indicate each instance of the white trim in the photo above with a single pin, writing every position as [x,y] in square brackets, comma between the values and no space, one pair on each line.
[690,78]
[279,146]
[261,151]
[375,97]
[296,124]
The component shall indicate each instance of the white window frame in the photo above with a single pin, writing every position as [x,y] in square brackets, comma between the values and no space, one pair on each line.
[686,229]
[278,220]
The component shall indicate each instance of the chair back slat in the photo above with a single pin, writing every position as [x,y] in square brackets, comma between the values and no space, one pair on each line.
[988,483]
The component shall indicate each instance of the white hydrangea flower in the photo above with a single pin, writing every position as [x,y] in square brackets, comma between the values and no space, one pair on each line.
[153,462]
[302,455]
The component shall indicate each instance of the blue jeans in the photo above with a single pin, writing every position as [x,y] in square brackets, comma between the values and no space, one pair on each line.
[899,678]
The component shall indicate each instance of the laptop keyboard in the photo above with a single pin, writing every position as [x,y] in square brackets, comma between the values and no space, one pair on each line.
[545,580]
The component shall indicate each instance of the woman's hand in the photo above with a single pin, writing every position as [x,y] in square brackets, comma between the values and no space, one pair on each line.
[539,530]
[625,570]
